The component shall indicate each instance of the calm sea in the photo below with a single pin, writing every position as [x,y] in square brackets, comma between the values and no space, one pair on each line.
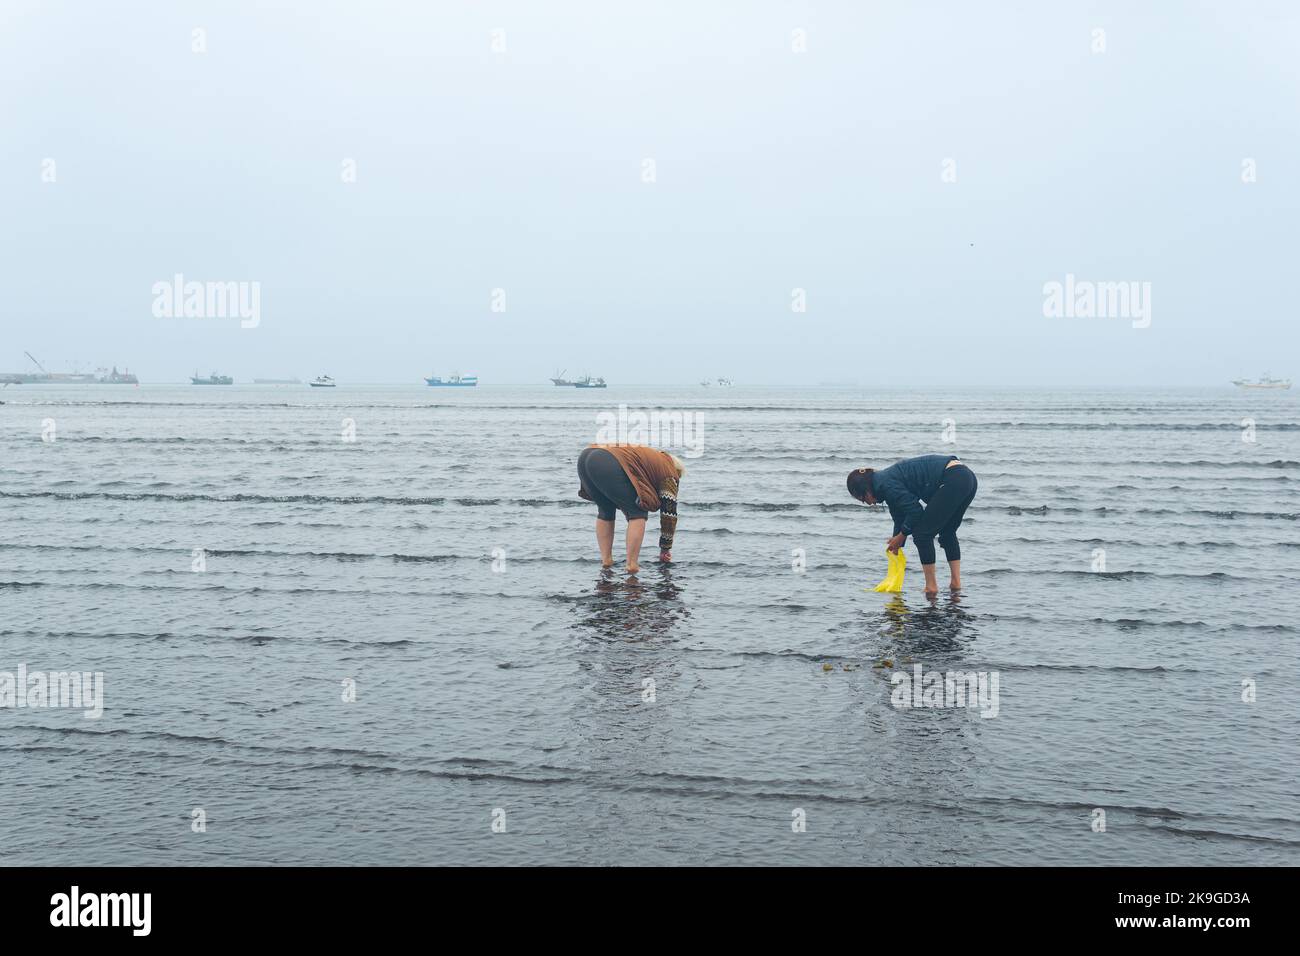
[368,625]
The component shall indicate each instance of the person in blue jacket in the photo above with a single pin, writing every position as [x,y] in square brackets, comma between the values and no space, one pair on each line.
[944,484]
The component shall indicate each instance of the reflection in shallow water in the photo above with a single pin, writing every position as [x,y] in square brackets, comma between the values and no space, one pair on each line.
[935,750]
[939,627]
[638,607]
[937,631]
[625,714]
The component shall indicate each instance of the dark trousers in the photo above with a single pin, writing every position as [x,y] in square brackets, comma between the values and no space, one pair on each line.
[942,515]
[604,479]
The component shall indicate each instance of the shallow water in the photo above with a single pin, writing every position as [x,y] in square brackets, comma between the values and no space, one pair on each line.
[483,686]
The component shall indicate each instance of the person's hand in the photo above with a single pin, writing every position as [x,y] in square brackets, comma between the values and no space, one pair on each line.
[895,543]
[665,556]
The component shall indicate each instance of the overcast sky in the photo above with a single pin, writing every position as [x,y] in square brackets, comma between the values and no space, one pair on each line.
[523,170]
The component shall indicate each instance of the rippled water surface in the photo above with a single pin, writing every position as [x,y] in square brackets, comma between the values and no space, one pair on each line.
[522,687]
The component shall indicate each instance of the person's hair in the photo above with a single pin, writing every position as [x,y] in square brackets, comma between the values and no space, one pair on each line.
[678,464]
[859,482]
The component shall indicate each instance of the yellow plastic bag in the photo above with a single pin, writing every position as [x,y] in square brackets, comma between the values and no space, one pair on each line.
[894,578]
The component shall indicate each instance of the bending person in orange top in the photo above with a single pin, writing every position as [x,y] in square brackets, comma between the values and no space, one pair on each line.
[633,479]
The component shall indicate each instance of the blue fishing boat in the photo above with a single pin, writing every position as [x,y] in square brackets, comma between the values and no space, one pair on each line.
[456,381]
[213,379]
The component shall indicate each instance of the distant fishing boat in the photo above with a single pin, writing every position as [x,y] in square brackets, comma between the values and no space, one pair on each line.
[725,382]
[323,381]
[559,378]
[1264,381]
[456,381]
[213,379]
[589,382]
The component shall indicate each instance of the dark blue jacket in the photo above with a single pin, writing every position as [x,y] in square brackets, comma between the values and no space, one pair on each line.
[904,485]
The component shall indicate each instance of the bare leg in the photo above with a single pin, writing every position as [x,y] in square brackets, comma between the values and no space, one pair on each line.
[605,538]
[635,535]
[954,574]
[931,585]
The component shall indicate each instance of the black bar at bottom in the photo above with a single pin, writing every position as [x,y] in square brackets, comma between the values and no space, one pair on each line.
[368,905]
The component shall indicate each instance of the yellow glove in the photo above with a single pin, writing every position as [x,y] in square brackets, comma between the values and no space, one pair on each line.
[894,577]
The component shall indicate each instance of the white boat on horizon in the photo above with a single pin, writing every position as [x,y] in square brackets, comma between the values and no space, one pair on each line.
[323,381]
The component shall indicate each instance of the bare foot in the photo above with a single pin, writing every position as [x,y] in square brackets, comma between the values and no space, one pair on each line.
[607,564]
[931,590]
[954,586]
[633,568]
